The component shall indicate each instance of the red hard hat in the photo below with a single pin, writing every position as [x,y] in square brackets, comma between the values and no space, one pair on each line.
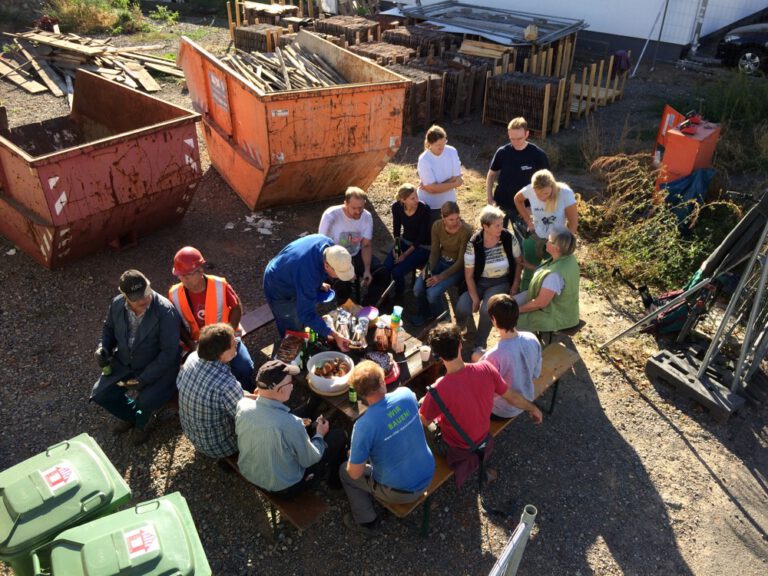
[186,261]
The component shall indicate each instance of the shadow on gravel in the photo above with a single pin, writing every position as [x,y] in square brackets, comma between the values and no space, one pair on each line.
[598,507]
[741,435]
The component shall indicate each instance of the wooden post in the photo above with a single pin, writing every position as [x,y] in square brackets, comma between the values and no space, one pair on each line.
[569,100]
[573,50]
[428,106]
[485,96]
[608,80]
[238,7]
[229,20]
[559,60]
[545,115]
[591,87]
[525,66]
[624,77]
[559,106]
[311,8]
[548,68]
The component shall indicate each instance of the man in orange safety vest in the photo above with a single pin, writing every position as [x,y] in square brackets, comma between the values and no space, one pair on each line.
[203,299]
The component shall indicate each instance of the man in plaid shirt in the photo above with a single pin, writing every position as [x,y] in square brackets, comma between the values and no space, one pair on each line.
[209,393]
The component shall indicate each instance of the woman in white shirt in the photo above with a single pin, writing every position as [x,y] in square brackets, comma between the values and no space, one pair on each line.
[552,207]
[439,169]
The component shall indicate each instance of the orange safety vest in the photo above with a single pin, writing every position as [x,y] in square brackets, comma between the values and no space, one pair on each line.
[215,304]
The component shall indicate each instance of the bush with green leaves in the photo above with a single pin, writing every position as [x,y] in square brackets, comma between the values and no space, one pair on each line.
[164,15]
[96,16]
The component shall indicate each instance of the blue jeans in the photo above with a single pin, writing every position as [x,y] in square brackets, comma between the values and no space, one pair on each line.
[415,259]
[486,287]
[431,301]
[242,367]
[286,317]
[153,397]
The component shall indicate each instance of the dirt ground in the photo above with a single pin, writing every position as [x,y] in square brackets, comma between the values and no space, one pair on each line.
[628,477]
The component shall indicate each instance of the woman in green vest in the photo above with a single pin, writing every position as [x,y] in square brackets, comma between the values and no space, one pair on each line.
[552,300]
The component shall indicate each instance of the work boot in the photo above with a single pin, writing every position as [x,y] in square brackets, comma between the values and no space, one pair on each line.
[122,427]
[140,436]
[368,530]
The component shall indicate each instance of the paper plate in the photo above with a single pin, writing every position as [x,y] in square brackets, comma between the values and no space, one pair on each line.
[369,312]
[323,297]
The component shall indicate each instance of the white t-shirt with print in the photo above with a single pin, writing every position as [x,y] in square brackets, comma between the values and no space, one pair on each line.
[545,221]
[436,169]
[496,262]
[346,231]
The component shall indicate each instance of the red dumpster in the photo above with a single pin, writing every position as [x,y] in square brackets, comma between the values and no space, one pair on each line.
[121,165]
[276,148]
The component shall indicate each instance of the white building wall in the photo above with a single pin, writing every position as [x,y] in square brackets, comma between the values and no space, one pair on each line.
[633,18]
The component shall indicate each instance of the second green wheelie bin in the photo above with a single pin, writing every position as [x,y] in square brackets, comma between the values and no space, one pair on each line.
[157,537]
[70,483]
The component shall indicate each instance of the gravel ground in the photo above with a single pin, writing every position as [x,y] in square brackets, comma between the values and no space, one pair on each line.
[628,478]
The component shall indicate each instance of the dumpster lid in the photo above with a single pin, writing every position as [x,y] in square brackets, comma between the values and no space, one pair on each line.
[52,490]
[157,536]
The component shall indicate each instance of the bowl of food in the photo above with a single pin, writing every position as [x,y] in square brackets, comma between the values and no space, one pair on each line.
[328,372]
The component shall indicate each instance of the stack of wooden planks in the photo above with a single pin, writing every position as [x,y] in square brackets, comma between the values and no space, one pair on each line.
[44,61]
[426,41]
[354,29]
[257,37]
[542,100]
[460,84]
[288,68]
[383,52]
[257,12]
[423,104]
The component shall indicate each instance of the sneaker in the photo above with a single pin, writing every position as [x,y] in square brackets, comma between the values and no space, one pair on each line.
[122,427]
[369,530]
[140,436]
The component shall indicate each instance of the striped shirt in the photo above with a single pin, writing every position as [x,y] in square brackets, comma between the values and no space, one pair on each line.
[208,397]
[274,446]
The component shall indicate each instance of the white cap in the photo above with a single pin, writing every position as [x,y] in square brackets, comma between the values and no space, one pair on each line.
[339,259]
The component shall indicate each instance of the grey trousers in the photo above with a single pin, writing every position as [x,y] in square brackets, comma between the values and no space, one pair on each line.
[359,494]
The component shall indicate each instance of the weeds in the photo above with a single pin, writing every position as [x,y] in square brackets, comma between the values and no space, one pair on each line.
[94,16]
[637,231]
[164,15]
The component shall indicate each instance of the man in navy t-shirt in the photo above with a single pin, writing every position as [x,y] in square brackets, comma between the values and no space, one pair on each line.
[513,166]
[388,456]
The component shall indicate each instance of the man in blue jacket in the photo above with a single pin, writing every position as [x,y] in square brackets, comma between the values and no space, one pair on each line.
[139,351]
[293,279]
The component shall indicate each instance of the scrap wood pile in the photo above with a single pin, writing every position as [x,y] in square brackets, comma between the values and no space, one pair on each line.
[384,52]
[289,68]
[426,41]
[44,61]
[354,29]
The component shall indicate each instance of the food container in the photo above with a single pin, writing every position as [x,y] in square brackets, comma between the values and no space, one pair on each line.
[334,386]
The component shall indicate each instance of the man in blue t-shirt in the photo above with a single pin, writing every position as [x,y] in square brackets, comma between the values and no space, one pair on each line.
[389,456]
[513,166]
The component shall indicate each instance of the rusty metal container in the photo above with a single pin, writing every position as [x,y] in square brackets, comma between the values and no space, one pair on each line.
[120,165]
[287,147]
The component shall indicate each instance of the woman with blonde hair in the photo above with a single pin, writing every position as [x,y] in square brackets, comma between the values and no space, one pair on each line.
[411,228]
[552,207]
[439,169]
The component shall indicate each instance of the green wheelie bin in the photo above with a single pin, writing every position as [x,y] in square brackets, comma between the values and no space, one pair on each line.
[157,537]
[70,483]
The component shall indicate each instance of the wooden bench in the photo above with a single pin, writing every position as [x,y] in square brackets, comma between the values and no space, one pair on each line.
[302,510]
[256,319]
[556,361]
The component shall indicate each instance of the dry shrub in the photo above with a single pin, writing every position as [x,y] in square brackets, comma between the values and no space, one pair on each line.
[83,16]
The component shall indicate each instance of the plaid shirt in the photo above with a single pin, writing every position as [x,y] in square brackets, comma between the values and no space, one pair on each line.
[208,397]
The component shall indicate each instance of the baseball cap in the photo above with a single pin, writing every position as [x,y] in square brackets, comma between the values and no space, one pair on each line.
[273,372]
[339,259]
[134,285]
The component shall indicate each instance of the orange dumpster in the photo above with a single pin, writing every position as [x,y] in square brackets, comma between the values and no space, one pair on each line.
[276,148]
[120,165]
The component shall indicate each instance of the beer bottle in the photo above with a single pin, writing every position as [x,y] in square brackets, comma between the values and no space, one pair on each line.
[352,394]
[427,271]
